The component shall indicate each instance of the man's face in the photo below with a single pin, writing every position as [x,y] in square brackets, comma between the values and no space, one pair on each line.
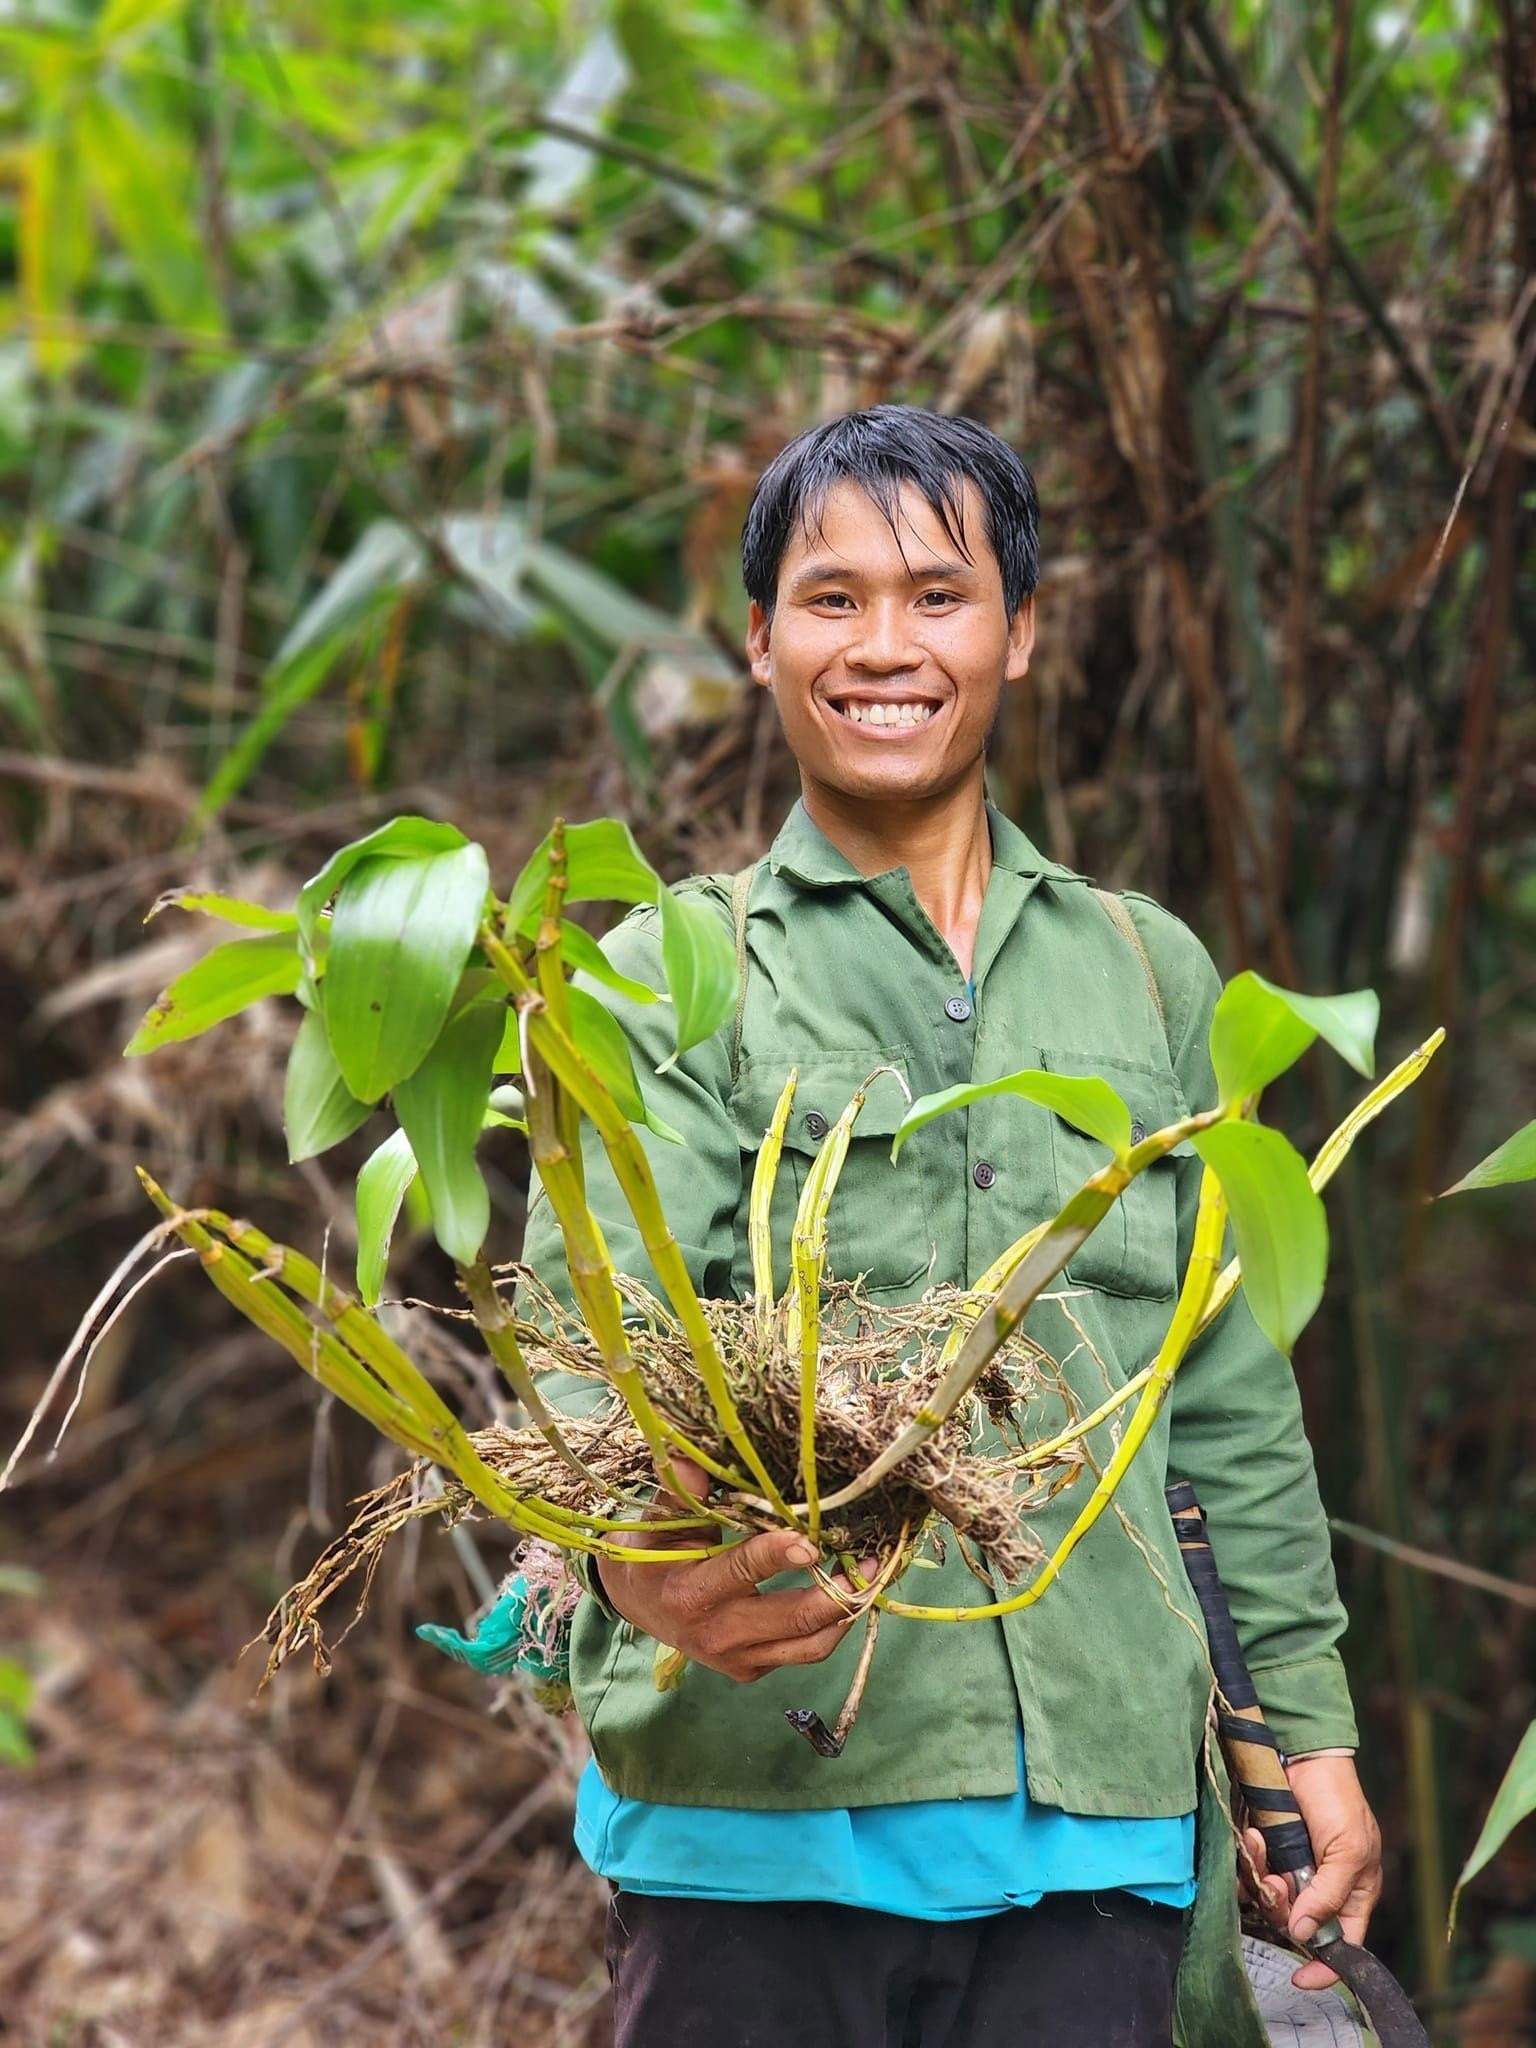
[887,673]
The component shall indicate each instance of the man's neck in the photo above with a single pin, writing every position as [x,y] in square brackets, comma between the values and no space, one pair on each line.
[943,842]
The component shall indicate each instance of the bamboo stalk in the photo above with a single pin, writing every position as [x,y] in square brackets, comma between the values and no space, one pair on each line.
[1199,1278]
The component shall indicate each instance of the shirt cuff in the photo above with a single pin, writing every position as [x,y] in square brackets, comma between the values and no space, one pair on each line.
[584,1565]
[1307,1704]
[1306,1755]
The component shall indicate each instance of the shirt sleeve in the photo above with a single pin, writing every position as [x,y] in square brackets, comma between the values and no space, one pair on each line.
[1236,1430]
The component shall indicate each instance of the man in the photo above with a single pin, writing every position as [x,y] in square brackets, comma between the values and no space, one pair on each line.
[1008,1850]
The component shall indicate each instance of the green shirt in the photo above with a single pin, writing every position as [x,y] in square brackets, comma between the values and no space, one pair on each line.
[1108,1672]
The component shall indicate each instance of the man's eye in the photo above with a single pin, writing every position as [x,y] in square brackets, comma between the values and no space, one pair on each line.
[834,597]
[944,596]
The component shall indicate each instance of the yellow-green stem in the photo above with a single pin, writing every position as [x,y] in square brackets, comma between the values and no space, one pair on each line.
[1199,1278]
[765,1174]
[633,1172]
[1061,1238]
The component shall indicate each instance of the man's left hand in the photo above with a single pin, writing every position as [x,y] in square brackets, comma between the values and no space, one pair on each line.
[1347,1844]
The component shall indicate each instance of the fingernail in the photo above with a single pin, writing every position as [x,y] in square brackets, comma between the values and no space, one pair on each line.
[801,1553]
[1304,1928]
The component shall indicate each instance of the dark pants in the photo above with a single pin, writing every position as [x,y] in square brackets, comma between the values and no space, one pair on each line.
[1080,1970]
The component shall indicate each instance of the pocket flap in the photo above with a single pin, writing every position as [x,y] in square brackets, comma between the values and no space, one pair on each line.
[1151,1094]
[827,1084]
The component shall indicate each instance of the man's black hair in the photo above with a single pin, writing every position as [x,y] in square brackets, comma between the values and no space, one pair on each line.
[880,450]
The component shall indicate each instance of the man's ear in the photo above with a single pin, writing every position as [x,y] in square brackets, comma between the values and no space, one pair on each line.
[758,631]
[1021,641]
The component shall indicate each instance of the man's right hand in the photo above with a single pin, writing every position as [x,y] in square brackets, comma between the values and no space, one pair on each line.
[712,1610]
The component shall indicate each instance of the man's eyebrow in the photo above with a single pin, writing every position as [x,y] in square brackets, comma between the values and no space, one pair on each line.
[840,572]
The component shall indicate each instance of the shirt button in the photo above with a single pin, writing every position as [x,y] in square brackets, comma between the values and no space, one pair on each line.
[815,1124]
[958,1008]
[983,1173]
[1138,1132]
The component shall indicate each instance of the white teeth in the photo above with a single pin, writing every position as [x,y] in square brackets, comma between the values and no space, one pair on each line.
[888,714]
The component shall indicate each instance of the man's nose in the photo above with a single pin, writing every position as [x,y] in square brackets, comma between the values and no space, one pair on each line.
[885,641]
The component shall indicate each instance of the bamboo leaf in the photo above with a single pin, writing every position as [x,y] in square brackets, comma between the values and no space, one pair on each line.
[1278,1221]
[57,245]
[319,1109]
[1514,1800]
[1258,1030]
[400,934]
[441,1108]
[224,982]
[1514,1160]
[700,965]
[382,1186]
[601,1040]
[1087,1103]
[133,170]
[231,909]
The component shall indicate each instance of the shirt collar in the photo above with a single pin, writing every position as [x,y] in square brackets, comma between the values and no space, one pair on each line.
[804,853]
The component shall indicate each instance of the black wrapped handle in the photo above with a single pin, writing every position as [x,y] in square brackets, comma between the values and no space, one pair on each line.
[1254,1757]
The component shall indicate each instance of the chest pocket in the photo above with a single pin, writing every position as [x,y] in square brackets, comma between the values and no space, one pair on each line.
[878,1222]
[1135,1250]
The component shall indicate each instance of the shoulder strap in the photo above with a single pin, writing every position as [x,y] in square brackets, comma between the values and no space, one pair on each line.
[741,889]
[1125,924]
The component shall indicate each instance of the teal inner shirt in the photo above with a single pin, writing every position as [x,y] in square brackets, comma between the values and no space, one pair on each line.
[930,1859]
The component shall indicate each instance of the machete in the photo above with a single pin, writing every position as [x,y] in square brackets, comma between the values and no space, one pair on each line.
[1257,1767]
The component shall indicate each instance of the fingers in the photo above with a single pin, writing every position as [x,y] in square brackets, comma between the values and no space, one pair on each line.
[745,1566]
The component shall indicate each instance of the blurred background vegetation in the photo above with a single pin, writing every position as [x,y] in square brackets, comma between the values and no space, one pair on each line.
[381,390]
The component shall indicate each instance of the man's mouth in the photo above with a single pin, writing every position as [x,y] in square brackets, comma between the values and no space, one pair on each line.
[889,714]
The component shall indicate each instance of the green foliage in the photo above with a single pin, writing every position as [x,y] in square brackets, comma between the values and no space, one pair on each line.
[382,1186]
[1278,1221]
[1514,1801]
[16,1690]
[603,1043]
[224,982]
[400,933]
[231,909]
[1087,1103]
[441,1108]
[1259,1030]
[1514,1160]
[319,1109]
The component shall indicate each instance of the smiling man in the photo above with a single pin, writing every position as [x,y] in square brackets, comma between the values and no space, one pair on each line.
[1019,1844]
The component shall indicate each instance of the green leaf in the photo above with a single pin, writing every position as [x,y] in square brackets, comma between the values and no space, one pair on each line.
[505,1111]
[225,981]
[442,1110]
[319,1109]
[401,839]
[509,1054]
[16,1689]
[56,245]
[133,170]
[1278,1221]
[1514,1160]
[583,955]
[1087,1103]
[601,1040]
[400,934]
[1258,1030]
[700,965]
[603,865]
[232,910]
[1514,1800]
[381,1187]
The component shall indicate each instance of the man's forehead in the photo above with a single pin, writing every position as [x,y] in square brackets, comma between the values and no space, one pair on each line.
[850,530]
